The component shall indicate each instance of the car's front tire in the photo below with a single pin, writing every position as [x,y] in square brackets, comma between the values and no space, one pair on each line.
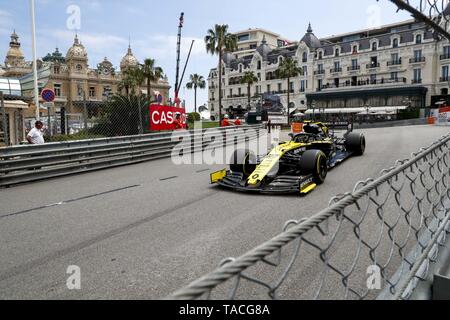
[243,161]
[315,163]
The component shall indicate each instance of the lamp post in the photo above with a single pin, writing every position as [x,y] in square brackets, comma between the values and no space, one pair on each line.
[367,112]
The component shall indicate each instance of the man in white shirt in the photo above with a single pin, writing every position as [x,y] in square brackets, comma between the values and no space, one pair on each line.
[35,136]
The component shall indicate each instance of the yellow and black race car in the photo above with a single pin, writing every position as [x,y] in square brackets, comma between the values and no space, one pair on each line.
[296,166]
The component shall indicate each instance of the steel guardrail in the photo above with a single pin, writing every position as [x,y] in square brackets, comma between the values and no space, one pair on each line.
[31,163]
[384,236]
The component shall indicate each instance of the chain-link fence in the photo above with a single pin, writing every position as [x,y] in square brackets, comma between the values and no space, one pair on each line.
[375,242]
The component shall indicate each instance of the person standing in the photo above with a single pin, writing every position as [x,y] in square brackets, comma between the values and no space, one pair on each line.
[225,121]
[35,135]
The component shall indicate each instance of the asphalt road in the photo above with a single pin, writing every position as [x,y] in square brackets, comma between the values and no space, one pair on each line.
[144,231]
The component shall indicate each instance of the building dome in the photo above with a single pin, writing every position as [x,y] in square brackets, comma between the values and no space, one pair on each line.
[264,48]
[129,60]
[310,39]
[14,55]
[77,50]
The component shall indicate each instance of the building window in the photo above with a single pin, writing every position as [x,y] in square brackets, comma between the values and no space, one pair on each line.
[354,64]
[417,55]
[374,46]
[445,73]
[320,68]
[395,43]
[92,92]
[240,68]
[305,57]
[394,76]
[57,88]
[231,92]
[302,85]
[418,39]
[320,55]
[337,66]
[291,86]
[239,91]
[336,52]
[305,70]
[279,87]
[417,75]
[355,49]
[268,88]
[259,65]
[373,79]
[56,70]
[395,58]
[79,67]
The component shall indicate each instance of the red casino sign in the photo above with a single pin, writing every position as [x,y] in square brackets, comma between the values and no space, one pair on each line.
[164,118]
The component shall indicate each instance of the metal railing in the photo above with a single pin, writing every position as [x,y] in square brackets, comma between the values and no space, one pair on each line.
[393,225]
[22,164]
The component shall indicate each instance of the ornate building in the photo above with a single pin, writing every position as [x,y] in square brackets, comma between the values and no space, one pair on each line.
[74,82]
[390,68]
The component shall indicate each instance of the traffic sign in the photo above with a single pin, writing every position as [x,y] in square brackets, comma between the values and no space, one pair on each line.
[48,95]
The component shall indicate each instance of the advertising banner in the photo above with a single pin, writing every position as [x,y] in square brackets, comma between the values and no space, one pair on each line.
[163,118]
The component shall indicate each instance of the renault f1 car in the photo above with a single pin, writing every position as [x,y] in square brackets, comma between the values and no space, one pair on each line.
[293,167]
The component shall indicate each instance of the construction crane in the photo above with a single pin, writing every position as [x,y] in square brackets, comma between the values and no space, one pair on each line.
[178,81]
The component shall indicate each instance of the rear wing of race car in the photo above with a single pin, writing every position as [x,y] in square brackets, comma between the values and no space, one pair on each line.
[339,125]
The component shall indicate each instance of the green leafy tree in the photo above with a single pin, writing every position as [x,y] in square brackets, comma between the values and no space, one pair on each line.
[289,69]
[151,73]
[131,80]
[121,116]
[249,79]
[196,82]
[218,41]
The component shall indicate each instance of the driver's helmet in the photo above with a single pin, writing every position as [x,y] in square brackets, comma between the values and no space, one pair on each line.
[311,128]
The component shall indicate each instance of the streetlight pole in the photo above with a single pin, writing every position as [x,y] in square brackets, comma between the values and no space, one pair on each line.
[33,39]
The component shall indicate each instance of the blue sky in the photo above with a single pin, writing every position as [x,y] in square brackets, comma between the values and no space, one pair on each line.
[106,26]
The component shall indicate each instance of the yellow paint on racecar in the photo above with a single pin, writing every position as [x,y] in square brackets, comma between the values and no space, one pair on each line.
[271,160]
[308,188]
[218,176]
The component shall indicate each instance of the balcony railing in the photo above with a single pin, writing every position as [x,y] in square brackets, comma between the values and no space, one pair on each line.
[417,60]
[354,68]
[444,79]
[319,72]
[336,70]
[236,96]
[361,83]
[394,62]
[416,81]
[445,56]
[372,65]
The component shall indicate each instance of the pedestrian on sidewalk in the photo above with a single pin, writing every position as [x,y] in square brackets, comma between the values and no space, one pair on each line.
[35,135]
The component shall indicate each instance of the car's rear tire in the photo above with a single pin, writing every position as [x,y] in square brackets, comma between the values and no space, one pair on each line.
[356,143]
[315,163]
[243,161]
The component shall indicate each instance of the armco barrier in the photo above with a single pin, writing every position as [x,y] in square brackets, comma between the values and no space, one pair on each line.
[378,241]
[22,164]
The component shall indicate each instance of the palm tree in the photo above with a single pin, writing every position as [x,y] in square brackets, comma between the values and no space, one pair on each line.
[151,73]
[249,78]
[289,69]
[131,80]
[217,41]
[196,81]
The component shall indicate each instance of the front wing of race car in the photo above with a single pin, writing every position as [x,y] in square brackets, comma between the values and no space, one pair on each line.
[279,185]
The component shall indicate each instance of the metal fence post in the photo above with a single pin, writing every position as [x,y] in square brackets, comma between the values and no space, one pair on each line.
[4,115]
[141,125]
